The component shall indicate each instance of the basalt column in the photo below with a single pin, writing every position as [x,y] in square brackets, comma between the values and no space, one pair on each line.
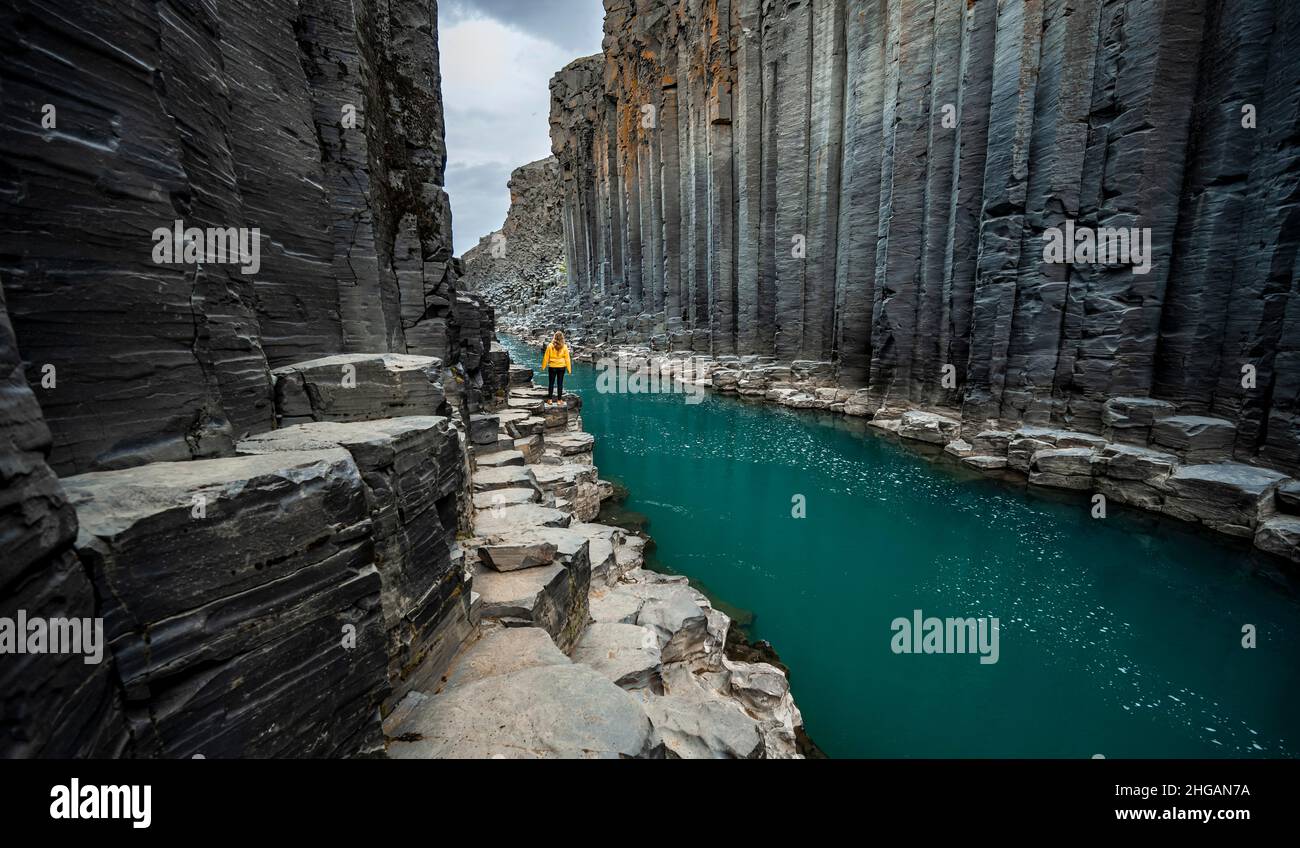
[879,185]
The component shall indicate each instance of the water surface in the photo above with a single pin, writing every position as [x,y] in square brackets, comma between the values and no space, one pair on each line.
[1120,637]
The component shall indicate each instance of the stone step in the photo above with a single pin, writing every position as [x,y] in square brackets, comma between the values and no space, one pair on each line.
[506,519]
[553,596]
[358,387]
[505,497]
[501,443]
[552,711]
[500,458]
[504,650]
[505,477]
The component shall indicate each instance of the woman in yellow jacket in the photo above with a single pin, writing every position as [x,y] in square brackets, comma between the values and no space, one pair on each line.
[556,362]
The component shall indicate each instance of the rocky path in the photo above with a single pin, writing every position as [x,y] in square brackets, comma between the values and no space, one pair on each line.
[580,651]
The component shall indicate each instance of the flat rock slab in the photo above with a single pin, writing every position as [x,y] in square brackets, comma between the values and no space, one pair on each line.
[500,458]
[627,654]
[1061,468]
[1129,462]
[1227,496]
[985,463]
[506,477]
[525,425]
[508,519]
[505,497]
[615,605]
[529,404]
[1134,411]
[504,650]
[501,443]
[565,474]
[558,711]
[928,427]
[570,444]
[1195,437]
[516,594]
[358,387]
[510,416]
[567,542]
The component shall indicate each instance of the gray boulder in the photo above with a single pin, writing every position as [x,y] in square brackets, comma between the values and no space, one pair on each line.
[1196,438]
[697,724]
[1280,535]
[1061,468]
[928,427]
[1226,496]
[1133,475]
[483,429]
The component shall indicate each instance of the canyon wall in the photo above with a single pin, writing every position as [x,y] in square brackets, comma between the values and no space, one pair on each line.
[872,184]
[524,261]
[234,469]
[317,122]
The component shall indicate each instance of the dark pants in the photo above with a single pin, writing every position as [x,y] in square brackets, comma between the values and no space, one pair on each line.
[554,381]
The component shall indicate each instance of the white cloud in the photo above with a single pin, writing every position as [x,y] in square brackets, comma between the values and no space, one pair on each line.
[496,97]
[571,24]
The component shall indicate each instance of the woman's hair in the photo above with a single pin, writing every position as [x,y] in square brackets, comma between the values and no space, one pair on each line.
[558,339]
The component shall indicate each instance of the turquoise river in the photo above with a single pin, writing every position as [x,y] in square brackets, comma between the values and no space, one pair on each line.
[1120,637]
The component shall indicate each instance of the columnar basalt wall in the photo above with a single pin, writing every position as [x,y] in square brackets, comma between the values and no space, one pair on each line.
[316,122]
[874,183]
[231,464]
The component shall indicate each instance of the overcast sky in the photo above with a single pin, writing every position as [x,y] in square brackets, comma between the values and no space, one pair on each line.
[498,57]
